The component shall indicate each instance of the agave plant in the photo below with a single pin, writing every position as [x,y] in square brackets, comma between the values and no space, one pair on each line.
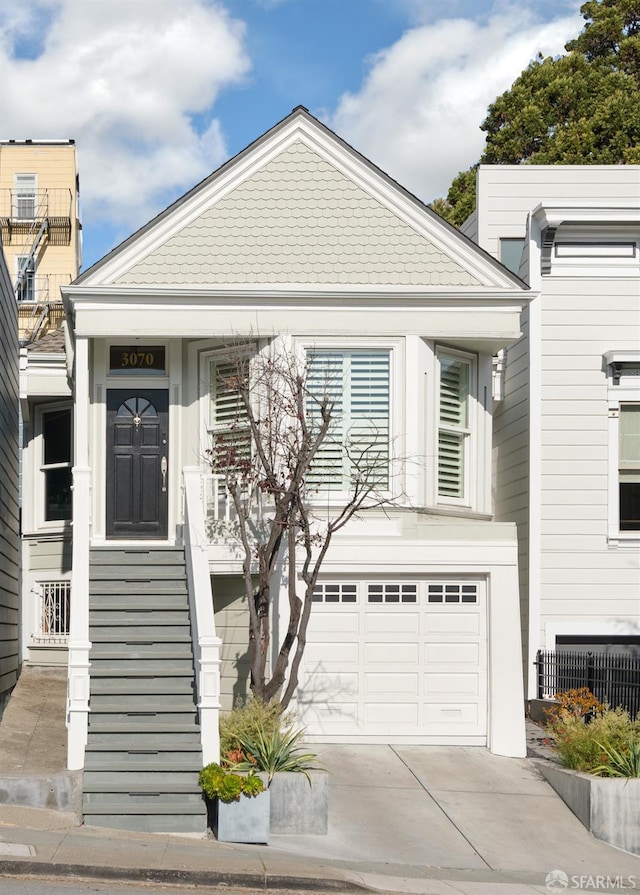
[276,750]
[623,762]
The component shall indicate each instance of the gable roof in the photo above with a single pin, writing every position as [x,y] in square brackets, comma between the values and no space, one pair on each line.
[299,207]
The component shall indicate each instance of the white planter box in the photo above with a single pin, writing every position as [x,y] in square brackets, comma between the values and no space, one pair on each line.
[609,807]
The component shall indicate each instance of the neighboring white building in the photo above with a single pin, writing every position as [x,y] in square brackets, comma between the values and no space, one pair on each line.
[298,240]
[567,432]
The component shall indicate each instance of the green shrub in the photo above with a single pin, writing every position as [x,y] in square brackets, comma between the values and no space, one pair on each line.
[277,751]
[623,762]
[246,721]
[584,746]
[218,782]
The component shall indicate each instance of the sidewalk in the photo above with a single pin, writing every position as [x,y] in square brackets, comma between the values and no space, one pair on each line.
[416,819]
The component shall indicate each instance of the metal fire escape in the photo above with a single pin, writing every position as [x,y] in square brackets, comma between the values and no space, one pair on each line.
[32,219]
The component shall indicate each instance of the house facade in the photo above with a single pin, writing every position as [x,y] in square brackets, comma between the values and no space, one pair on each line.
[300,245]
[41,234]
[567,430]
[9,509]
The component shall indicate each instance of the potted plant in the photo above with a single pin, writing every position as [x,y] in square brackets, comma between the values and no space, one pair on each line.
[237,804]
[297,783]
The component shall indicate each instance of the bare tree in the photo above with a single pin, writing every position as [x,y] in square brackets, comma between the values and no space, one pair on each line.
[285,420]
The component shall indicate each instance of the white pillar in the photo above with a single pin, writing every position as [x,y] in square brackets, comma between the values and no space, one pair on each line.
[206,645]
[506,735]
[79,645]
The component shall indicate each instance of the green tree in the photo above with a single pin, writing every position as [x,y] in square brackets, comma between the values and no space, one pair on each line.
[580,108]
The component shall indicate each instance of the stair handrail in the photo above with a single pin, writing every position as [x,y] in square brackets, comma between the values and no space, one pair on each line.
[206,644]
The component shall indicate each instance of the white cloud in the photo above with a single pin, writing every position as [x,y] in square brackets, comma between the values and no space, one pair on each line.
[127,79]
[419,110]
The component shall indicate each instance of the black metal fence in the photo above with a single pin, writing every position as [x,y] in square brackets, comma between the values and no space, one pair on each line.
[614,678]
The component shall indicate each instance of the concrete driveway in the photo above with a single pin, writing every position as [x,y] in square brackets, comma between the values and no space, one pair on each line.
[455,808]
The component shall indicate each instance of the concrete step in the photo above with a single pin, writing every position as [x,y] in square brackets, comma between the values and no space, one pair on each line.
[142,685]
[139,634]
[150,823]
[147,668]
[131,702]
[144,743]
[125,604]
[143,762]
[142,781]
[133,588]
[141,572]
[143,800]
[159,721]
[136,556]
[134,725]
[139,616]
[132,650]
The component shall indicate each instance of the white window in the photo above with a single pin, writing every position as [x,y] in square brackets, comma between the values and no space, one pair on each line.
[25,278]
[624,446]
[629,467]
[54,611]
[228,423]
[56,460]
[456,382]
[24,197]
[357,383]
[511,253]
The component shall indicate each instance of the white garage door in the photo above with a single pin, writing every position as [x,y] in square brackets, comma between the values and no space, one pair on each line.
[396,661]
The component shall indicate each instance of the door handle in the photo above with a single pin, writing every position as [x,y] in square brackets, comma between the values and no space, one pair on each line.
[163,470]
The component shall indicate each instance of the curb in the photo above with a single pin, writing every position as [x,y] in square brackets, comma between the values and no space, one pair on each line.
[179,877]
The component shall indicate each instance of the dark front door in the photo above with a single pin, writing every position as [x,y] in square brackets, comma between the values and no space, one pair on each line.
[137,463]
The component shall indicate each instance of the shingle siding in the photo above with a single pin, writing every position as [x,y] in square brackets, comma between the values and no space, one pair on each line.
[297,221]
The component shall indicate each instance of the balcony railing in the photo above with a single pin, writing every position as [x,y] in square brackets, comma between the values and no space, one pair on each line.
[41,289]
[23,215]
[21,207]
[218,503]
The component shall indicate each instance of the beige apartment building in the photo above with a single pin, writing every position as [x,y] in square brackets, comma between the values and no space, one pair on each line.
[39,227]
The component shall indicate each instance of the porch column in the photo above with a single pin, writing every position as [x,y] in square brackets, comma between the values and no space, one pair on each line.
[206,644]
[79,645]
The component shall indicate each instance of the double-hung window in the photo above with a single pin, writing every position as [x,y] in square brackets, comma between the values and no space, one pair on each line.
[24,197]
[56,464]
[623,369]
[456,381]
[629,467]
[25,278]
[356,385]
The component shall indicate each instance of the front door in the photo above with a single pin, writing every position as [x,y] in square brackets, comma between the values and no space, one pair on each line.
[137,463]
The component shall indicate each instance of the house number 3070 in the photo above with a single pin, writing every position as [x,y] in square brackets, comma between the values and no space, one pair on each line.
[135,359]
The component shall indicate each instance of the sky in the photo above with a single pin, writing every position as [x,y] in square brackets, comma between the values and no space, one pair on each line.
[158,94]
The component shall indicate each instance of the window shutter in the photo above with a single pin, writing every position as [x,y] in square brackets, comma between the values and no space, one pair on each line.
[357,382]
[228,420]
[453,426]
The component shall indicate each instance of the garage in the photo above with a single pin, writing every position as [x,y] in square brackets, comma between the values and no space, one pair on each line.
[396,661]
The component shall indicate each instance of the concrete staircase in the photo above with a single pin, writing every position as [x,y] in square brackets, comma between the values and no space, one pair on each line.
[143,752]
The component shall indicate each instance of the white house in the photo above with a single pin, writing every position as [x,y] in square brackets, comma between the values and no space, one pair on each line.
[567,431]
[415,636]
